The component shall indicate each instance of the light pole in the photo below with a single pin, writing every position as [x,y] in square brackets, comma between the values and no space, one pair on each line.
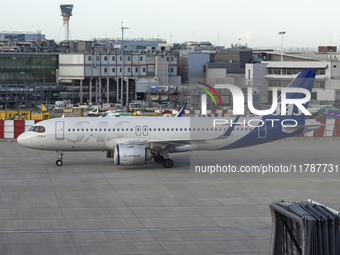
[122,66]
[282,33]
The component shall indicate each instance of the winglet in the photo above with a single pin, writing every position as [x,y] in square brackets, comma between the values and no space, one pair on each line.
[180,113]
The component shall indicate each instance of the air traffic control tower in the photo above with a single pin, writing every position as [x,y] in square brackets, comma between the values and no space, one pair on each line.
[66,12]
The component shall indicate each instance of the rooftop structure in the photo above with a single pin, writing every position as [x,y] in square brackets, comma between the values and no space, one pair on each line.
[66,12]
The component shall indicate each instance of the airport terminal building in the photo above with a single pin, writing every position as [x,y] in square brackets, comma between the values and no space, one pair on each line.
[279,74]
[39,71]
[275,73]
[27,79]
[99,75]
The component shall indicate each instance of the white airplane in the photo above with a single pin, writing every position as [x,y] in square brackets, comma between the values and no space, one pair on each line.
[134,140]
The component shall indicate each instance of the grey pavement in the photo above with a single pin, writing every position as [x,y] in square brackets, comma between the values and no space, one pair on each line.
[90,206]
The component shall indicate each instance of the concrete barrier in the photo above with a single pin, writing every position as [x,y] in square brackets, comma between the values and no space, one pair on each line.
[9,129]
[1,129]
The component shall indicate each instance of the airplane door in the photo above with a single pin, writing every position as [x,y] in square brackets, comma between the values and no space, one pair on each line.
[145,130]
[138,130]
[262,131]
[59,130]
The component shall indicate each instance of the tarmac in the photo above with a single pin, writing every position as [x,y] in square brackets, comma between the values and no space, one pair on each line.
[90,206]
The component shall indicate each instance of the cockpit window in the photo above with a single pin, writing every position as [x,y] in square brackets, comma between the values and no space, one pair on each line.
[39,129]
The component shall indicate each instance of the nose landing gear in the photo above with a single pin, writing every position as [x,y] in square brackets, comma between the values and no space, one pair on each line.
[59,161]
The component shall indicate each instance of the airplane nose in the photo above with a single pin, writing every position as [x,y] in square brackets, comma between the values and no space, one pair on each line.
[23,139]
[20,139]
[29,140]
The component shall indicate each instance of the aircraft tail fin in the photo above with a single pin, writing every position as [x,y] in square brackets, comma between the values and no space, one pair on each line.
[304,80]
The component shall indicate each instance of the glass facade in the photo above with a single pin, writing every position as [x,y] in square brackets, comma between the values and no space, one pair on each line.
[66,9]
[28,68]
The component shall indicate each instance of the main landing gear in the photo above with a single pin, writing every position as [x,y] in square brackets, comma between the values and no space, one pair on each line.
[167,163]
[158,158]
[59,161]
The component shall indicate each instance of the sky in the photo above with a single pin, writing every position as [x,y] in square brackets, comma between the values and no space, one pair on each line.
[307,23]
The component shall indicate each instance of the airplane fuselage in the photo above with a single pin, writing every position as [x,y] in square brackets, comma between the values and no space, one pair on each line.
[95,134]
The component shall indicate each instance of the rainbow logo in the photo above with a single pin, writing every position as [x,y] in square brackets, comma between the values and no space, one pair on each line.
[209,93]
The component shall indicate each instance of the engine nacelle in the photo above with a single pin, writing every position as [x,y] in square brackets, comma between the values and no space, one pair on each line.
[125,154]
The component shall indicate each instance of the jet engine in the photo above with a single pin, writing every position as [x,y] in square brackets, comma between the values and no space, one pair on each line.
[125,154]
